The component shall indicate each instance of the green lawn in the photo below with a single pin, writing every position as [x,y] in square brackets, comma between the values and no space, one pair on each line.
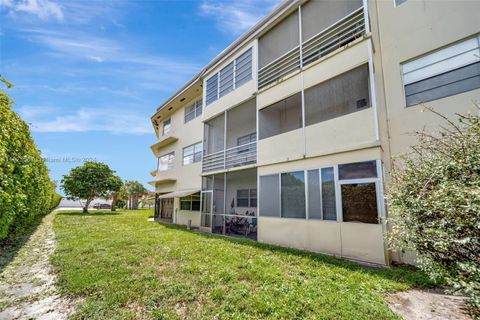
[124,267]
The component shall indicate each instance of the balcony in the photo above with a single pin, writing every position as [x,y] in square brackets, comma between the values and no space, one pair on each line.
[336,36]
[230,158]
[230,139]
[162,142]
[163,177]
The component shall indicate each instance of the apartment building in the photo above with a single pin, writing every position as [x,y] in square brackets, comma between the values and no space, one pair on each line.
[288,135]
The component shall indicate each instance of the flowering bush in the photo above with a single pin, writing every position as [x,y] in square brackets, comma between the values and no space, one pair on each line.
[25,187]
[434,199]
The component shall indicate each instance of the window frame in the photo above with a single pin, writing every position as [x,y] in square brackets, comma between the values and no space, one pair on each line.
[190,199]
[170,164]
[169,127]
[338,196]
[196,106]
[235,84]
[426,54]
[249,197]
[193,154]
[395,5]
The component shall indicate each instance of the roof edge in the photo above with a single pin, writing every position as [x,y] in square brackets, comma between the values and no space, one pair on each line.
[258,27]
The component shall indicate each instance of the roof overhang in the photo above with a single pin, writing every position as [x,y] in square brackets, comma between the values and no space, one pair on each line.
[282,10]
[180,193]
[162,143]
[161,181]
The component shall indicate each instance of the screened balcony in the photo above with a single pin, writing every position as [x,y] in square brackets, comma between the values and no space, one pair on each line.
[230,139]
[229,203]
[326,27]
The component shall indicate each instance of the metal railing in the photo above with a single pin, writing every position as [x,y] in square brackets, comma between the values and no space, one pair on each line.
[330,39]
[334,37]
[279,68]
[233,157]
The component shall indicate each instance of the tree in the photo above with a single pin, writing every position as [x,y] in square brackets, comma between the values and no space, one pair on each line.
[89,181]
[134,190]
[434,203]
[147,200]
[115,193]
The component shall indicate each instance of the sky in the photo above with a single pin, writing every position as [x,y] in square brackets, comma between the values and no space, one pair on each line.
[89,74]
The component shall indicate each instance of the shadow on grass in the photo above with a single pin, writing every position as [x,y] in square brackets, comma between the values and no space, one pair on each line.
[10,246]
[91,213]
[404,274]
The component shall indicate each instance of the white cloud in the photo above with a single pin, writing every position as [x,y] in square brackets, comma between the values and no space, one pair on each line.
[98,49]
[6,3]
[43,9]
[43,119]
[236,16]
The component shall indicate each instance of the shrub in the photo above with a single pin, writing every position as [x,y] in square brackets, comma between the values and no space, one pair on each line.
[435,205]
[25,188]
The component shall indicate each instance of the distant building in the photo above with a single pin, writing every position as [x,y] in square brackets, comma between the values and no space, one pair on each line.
[288,135]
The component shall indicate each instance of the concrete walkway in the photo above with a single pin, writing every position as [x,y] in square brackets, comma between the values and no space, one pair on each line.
[27,282]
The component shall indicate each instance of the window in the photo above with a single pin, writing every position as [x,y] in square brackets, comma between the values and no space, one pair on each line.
[193,111]
[445,72]
[359,202]
[270,196]
[245,141]
[190,203]
[359,197]
[281,117]
[212,89]
[167,126]
[287,195]
[293,194]
[329,100]
[166,162]
[321,194]
[232,76]
[193,153]
[329,207]
[399,2]
[252,137]
[247,198]
[314,200]
[226,79]
[357,170]
[243,68]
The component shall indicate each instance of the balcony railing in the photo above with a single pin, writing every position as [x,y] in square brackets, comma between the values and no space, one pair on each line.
[280,67]
[233,157]
[336,36]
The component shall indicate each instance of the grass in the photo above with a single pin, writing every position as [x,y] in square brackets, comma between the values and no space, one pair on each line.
[124,267]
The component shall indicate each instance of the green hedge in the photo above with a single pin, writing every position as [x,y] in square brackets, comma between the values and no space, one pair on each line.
[25,187]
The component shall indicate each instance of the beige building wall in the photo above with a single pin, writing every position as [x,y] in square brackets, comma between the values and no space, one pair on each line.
[420,27]
[185,176]
[182,217]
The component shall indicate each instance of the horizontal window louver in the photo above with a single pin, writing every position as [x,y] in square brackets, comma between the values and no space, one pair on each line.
[226,79]
[212,89]
[243,68]
[445,72]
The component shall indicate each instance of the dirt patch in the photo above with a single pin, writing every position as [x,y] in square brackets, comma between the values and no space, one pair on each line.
[27,282]
[428,304]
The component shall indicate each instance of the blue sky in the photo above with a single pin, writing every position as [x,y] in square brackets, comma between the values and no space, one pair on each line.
[89,74]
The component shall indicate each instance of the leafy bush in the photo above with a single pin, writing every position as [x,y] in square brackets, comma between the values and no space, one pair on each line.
[435,205]
[25,188]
